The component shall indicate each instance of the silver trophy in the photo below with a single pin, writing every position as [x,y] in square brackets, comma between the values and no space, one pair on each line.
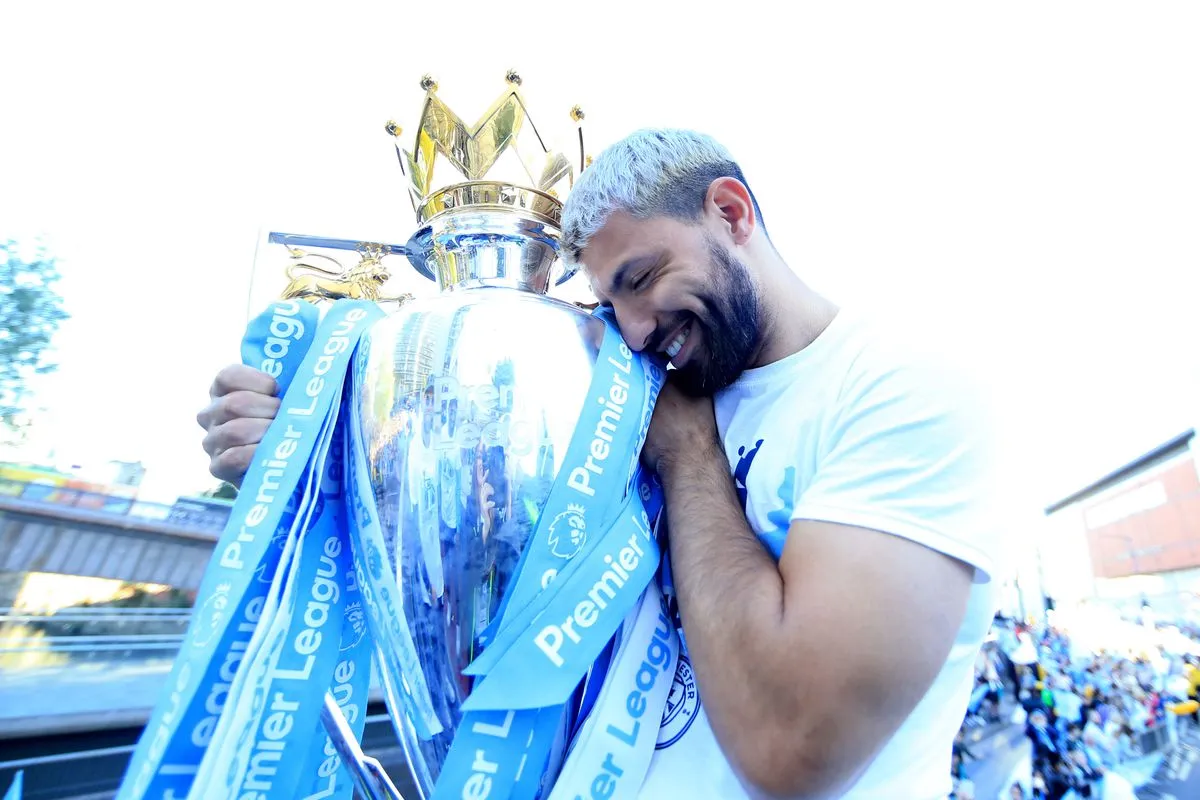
[466,401]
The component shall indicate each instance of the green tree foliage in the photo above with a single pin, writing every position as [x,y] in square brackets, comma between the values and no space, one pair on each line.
[226,491]
[30,313]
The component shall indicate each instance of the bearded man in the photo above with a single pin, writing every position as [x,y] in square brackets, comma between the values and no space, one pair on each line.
[833,529]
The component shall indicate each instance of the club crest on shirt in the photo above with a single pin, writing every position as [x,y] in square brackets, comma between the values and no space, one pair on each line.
[683,705]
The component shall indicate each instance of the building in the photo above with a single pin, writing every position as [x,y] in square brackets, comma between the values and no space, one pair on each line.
[127,473]
[1139,526]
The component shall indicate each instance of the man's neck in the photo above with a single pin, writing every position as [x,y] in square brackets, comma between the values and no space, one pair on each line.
[795,315]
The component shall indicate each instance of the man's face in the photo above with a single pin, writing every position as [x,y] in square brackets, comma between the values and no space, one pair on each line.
[679,292]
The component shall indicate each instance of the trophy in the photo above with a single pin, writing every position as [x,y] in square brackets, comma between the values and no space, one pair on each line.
[463,407]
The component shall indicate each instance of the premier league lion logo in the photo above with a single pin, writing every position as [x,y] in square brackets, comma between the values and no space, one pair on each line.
[355,621]
[207,619]
[568,532]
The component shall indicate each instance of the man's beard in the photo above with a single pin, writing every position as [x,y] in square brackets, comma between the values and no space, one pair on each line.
[732,325]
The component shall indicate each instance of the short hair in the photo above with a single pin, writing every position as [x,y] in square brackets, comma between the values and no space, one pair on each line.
[651,172]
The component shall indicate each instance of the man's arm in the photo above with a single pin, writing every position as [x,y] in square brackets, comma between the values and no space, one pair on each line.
[806,667]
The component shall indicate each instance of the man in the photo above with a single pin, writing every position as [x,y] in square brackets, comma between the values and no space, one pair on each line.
[833,542]
[1193,676]
[1047,740]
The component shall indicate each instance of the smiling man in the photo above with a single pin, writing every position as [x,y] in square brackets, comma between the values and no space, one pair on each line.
[833,530]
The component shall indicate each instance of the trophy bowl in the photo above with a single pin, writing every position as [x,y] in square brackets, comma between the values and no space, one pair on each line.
[465,401]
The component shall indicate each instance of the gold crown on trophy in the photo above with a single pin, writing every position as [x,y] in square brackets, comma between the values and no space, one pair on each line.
[506,163]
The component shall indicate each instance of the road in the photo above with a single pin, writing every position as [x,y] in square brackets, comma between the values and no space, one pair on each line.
[1179,776]
[90,766]
[71,727]
[80,695]
[998,755]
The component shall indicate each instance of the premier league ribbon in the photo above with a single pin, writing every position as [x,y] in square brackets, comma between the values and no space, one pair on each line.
[612,750]
[250,628]
[581,646]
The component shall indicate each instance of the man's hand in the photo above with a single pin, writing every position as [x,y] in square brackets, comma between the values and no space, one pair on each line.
[242,404]
[681,425]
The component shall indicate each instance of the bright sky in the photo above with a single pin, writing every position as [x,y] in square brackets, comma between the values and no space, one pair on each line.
[1019,177]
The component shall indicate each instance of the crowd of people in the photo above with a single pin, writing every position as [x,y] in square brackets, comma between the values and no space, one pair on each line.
[1085,713]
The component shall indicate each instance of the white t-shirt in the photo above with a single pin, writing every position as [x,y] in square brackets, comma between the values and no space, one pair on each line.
[862,430]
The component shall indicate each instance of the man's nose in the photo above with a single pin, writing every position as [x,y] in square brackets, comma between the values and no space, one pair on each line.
[636,328]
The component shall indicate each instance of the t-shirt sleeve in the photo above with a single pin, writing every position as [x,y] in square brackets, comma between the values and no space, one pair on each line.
[908,452]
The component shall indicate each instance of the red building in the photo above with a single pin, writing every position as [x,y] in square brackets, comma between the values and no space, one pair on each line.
[1145,516]
[1144,519]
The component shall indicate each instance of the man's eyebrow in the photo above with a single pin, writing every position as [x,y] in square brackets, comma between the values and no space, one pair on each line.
[630,265]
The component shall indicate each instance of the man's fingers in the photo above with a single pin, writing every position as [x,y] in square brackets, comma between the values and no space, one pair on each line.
[231,465]
[241,378]
[239,405]
[234,433]
[243,403]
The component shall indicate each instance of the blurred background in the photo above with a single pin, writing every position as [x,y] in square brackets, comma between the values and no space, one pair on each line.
[1019,180]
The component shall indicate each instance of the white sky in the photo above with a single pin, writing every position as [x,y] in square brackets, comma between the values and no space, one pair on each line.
[1021,177]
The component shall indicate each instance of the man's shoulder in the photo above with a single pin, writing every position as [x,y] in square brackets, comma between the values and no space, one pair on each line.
[877,346]
[912,444]
[907,373]
[865,357]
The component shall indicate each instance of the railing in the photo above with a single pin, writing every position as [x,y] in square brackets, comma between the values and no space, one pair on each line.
[89,614]
[87,645]
[189,512]
[86,631]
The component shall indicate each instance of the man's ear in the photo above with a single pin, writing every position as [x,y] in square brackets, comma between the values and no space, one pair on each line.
[729,205]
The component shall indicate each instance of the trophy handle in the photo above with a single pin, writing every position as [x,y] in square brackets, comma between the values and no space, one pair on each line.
[369,776]
[297,255]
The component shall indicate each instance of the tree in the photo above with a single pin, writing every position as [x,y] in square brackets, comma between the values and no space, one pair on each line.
[30,313]
[226,491]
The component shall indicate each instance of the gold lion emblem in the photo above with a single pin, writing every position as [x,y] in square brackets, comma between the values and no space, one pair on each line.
[363,281]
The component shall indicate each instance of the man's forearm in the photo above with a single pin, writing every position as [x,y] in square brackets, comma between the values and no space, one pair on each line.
[731,602]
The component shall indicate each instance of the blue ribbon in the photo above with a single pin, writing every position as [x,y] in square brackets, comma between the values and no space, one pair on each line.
[323,776]
[499,754]
[297,663]
[17,787]
[560,634]
[276,340]
[225,628]
[611,754]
